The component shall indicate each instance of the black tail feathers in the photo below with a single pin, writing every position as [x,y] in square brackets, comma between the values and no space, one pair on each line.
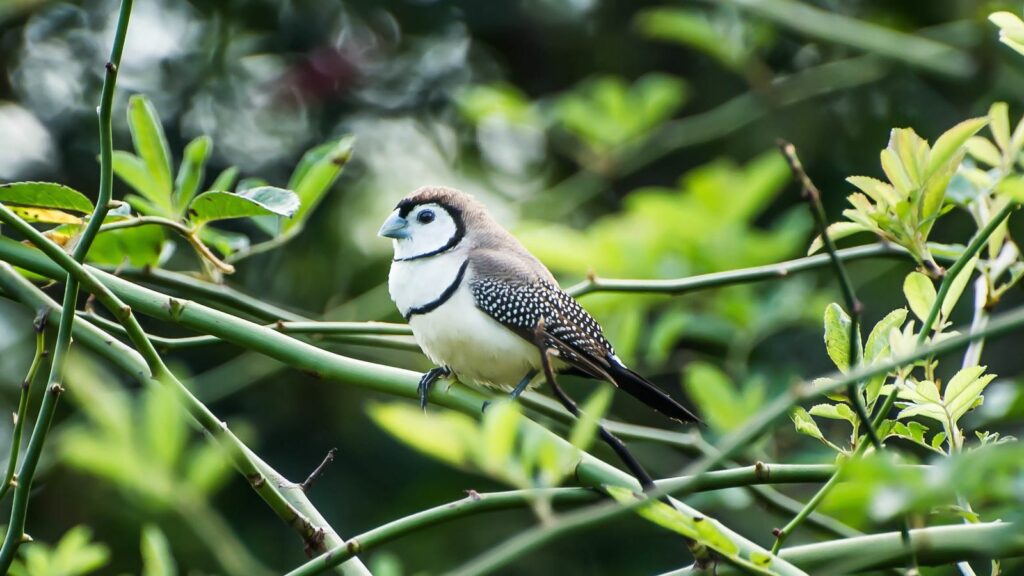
[643,390]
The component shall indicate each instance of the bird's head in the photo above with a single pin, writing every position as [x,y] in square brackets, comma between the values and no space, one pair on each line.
[431,220]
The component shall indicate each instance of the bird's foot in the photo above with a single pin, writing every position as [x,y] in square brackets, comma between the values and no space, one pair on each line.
[522,386]
[427,381]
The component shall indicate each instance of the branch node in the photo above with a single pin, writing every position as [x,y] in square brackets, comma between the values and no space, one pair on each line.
[55,389]
[256,480]
[25,538]
[39,323]
[110,67]
[761,471]
[777,532]
[473,495]
[353,546]
[319,470]
[315,543]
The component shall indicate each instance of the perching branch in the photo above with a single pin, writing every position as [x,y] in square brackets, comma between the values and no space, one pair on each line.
[48,407]
[10,478]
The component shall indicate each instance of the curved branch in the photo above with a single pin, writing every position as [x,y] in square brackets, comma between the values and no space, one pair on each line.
[185,232]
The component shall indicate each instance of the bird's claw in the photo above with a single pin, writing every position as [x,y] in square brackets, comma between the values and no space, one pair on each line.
[427,381]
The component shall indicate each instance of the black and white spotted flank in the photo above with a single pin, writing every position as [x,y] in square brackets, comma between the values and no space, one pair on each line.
[521,307]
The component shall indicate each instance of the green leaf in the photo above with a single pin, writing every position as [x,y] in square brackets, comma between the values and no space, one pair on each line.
[805,424]
[191,171]
[999,115]
[920,294]
[701,529]
[140,246]
[836,231]
[951,141]
[157,559]
[500,425]
[1009,24]
[44,195]
[877,346]
[226,179]
[163,432]
[207,468]
[223,241]
[983,150]
[956,287]
[716,396]
[314,176]
[151,146]
[135,173]
[446,436]
[881,192]
[220,205]
[1012,187]
[834,412]
[964,390]
[593,410]
[837,336]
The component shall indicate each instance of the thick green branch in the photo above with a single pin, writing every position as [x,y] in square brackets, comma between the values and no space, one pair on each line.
[934,546]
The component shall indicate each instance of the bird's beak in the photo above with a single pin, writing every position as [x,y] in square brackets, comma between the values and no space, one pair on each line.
[394,227]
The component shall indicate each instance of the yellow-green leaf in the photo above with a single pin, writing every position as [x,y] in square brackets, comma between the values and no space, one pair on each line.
[947,145]
[920,294]
[444,436]
[837,336]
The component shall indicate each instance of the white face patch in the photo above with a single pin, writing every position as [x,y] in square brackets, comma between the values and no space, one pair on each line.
[431,229]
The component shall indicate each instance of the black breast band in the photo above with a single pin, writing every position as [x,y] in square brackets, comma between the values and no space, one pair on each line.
[444,297]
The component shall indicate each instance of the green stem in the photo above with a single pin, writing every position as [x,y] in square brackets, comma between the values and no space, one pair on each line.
[19,509]
[376,334]
[211,293]
[19,419]
[477,503]
[733,277]
[853,305]
[189,234]
[237,452]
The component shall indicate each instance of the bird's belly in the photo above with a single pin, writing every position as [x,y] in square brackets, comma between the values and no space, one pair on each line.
[476,347]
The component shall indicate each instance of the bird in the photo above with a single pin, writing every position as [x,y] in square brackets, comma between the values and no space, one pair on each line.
[479,303]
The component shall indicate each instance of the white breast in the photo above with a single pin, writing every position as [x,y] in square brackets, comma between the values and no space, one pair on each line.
[414,283]
[457,334]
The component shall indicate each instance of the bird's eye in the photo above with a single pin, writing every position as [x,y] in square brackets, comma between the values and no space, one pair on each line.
[425,217]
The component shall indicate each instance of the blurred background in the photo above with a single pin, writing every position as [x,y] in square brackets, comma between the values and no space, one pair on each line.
[631,139]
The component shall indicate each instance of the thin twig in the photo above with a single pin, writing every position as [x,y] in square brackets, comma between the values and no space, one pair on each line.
[854,307]
[319,470]
[188,233]
[10,478]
